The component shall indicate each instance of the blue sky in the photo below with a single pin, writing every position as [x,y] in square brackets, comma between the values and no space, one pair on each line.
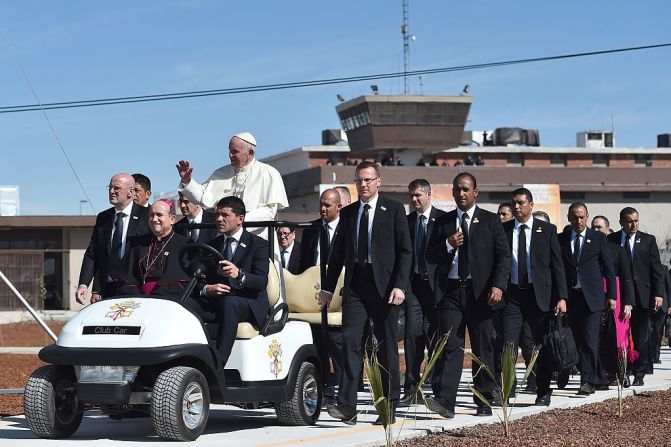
[74,50]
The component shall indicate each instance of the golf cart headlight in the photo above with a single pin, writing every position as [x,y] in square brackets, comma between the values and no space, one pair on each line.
[86,373]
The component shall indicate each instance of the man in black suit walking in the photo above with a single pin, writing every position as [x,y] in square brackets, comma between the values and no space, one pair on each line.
[195,214]
[114,229]
[329,210]
[469,246]
[373,243]
[537,283]
[641,249]
[587,261]
[238,293]
[421,314]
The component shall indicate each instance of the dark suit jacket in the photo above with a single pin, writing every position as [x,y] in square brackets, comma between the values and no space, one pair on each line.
[430,225]
[95,265]
[253,257]
[647,268]
[295,259]
[205,235]
[309,242]
[667,283]
[622,268]
[391,249]
[547,268]
[488,253]
[173,279]
[594,265]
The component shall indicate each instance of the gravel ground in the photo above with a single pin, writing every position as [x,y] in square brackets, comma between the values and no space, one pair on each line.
[16,368]
[646,422]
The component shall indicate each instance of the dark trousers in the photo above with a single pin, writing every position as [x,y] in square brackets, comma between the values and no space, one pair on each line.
[361,302]
[526,343]
[585,325]
[657,320]
[641,328]
[459,310]
[421,324]
[227,311]
[521,307]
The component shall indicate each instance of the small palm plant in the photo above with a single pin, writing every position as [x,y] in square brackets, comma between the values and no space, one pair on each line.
[508,376]
[621,376]
[373,371]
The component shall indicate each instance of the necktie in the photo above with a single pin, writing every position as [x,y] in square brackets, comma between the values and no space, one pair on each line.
[420,245]
[522,274]
[324,245]
[576,248]
[463,250]
[576,256]
[627,248]
[117,237]
[362,240]
[193,233]
[283,253]
[227,250]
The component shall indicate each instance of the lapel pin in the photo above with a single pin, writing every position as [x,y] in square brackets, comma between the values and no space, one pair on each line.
[588,241]
[242,244]
[135,217]
[166,253]
[383,208]
[539,230]
[433,219]
[476,220]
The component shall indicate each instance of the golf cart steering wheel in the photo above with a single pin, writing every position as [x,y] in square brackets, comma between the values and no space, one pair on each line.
[200,260]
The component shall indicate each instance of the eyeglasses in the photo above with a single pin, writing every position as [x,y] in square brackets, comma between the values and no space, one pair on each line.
[283,234]
[364,181]
[115,188]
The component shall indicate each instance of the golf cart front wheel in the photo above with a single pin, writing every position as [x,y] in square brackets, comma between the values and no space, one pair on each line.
[50,402]
[306,402]
[180,404]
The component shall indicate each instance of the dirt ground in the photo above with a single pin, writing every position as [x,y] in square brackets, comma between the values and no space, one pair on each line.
[646,422]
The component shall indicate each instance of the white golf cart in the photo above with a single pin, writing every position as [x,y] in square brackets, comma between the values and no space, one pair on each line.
[130,355]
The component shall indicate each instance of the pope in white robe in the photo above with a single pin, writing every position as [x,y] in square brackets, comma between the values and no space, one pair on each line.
[258,184]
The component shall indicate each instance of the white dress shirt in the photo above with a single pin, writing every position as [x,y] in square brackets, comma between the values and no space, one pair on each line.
[371,216]
[454,268]
[126,220]
[331,226]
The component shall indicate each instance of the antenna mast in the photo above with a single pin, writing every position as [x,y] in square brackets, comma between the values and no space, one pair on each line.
[405,30]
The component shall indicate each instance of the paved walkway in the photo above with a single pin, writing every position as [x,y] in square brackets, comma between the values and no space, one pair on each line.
[233,426]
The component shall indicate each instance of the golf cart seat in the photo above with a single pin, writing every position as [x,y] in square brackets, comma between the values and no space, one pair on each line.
[247,330]
[301,291]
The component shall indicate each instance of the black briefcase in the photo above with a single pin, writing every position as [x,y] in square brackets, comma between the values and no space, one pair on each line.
[560,344]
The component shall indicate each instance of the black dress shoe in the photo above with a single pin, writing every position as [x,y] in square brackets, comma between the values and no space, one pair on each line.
[586,389]
[341,413]
[483,410]
[626,383]
[440,406]
[543,400]
[602,387]
[562,378]
[638,381]
[408,399]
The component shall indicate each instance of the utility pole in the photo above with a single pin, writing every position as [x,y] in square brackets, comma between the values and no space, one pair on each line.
[405,30]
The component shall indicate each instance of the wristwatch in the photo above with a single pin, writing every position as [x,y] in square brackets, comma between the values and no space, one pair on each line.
[241,276]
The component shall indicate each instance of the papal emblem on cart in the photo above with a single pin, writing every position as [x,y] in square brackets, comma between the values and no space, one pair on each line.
[275,354]
[122,310]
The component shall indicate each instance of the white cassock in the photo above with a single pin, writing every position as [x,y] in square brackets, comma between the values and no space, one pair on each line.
[258,184]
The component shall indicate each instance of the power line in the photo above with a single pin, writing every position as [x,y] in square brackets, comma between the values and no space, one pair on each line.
[46,117]
[313,83]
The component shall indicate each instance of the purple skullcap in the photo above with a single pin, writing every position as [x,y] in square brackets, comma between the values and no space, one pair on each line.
[170,204]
